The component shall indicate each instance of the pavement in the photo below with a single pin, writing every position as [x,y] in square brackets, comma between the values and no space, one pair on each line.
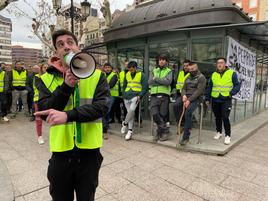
[139,171]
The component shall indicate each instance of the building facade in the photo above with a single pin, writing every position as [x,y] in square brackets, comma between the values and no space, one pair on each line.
[196,30]
[263,10]
[28,56]
[5,40]
[252,7]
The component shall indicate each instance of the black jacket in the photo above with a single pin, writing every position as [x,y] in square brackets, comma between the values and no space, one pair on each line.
[59,98]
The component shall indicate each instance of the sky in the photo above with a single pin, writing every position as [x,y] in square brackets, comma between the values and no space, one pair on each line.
[21,27]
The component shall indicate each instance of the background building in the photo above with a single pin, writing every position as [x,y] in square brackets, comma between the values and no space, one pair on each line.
[252,7]
[28,56]
[263,10]
[5,40]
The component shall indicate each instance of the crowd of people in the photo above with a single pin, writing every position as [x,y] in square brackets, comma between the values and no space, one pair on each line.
[127,87]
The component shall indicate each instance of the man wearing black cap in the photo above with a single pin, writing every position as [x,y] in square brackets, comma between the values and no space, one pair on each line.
[160,80]
[134,88]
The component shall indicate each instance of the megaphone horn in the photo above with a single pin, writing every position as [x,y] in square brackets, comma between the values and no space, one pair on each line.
[81,64]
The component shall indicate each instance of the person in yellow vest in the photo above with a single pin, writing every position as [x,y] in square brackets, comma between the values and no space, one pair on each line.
[3,89]
[180,79]
[74,109]
[134,88]
[160,80]
[112,80]
[221,87]
[38,70]
[18,81]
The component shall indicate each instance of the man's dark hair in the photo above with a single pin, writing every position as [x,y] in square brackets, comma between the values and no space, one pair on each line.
[221,58]
[107,64]
[192,63]
[2,63]
[62,32]
[132,64]
[186,61]
[18,61]
[163,56]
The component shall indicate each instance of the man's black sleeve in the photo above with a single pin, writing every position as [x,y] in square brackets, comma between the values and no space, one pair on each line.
[98,108]
[56,100]
[113,81]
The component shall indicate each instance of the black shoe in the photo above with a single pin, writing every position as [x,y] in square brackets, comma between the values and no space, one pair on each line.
[164,137]
[183,142]
[111,121]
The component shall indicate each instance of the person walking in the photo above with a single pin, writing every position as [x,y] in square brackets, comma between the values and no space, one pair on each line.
[183,74]
[221,87]
[73,108]
[191,96]
[3,89]
[112,80]
[134,88]
[18,77]
[160,81]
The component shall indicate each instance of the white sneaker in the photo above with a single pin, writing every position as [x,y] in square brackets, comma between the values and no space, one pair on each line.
[5,119]
[40,140]
[217,136]
[124,128]
[227,140]
[168,124]
[128,135]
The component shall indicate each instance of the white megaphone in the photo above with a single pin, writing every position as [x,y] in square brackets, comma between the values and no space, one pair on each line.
[81,64]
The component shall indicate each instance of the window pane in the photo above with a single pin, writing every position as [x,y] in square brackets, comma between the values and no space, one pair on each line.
[206,50]
[252,3]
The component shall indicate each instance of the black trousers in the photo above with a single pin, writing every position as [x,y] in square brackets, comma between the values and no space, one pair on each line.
[222,111]
[74,172]
[3,104]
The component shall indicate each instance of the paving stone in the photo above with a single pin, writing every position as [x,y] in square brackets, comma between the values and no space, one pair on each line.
[251,190]
[174,176]
[212,192]
[106,198]
[261,180]
[41,195]
[119,166]
[19,165]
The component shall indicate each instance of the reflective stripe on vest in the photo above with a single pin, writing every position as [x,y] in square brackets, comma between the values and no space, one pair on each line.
[36,93]
[19,79]
[62,136]
[121,79]
[181,79]
[135,83]
[158,73]
[115,90]
[222,84]
[2,80]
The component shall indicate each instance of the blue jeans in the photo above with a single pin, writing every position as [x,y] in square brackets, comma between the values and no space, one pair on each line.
[105,120]
[188,115]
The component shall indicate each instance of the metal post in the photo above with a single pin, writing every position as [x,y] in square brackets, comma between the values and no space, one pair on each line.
[139,129]
[200,123]
[72,16]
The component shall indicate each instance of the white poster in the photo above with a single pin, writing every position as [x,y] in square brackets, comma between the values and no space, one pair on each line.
[243,62]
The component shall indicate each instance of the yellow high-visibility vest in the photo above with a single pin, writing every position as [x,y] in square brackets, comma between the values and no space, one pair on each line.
[181,79]
[121,79]
[64,137]
[222,84]
[36,93]
[19,79]
[135,83]
[158,73]
[115,90]
[2,80]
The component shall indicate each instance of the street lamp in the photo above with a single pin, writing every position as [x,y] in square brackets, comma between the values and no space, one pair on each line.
[85,11]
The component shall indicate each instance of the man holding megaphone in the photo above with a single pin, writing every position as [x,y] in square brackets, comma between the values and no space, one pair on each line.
[73,98]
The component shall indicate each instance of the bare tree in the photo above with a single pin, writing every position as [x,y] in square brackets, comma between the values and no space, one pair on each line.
[42,19]
[5,3]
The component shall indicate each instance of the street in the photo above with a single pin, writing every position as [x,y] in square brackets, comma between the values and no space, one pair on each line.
[136,171]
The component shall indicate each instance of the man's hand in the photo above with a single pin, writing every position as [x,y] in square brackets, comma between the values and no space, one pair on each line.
[70,79]
[184,98]
[186,103]
[207,103]
[138,99]
[54,117]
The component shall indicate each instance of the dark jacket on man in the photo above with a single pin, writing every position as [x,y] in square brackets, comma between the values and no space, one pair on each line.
[194,86]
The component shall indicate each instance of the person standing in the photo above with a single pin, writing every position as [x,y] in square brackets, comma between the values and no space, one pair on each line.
[18,82]
[181,77]
[160,81]
[37,70]
[73,108]
[112,80]
[3,89]
[221,87]
[191,96]
[134,88]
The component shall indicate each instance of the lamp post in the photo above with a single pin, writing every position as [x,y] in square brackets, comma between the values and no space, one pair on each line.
[74,15]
